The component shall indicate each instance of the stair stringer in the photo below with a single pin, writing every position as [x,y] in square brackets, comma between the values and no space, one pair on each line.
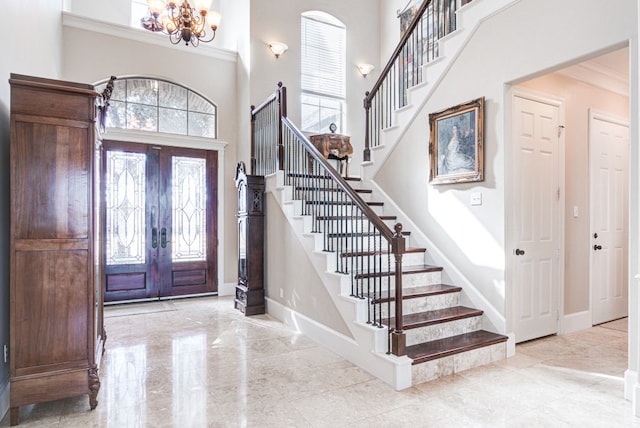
[492,320]
[366,348]
[469,18]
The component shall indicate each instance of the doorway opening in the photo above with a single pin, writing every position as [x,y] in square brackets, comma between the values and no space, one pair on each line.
[601,85]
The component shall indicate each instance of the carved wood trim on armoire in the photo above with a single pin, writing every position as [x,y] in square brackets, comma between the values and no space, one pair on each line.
[56,308]
[250,288]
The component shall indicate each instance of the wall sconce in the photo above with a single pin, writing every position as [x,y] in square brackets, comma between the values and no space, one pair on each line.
[365,69]
[278,48]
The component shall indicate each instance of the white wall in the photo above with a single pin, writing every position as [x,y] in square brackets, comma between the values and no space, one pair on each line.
[213,77]
[279,20]
[579,97]
[289,271]
[520,41]
[34,53]
[119,12]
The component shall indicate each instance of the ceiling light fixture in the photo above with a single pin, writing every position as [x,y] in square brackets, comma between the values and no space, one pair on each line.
[278,48]
[191,24]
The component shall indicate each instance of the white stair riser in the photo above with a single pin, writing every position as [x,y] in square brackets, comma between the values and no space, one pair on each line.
[408,281]
[423,304]
[346,225]
[362,263]
[442,330]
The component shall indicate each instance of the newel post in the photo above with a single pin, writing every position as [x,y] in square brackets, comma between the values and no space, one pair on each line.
[398,337]
[282,112]
[366,155]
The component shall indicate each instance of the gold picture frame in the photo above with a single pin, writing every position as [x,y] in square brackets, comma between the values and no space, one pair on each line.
[456,146]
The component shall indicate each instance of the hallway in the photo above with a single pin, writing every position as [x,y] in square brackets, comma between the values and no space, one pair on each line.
[200,363]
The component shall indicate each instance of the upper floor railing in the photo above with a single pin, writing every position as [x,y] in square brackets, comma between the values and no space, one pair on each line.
[418,46]
[267,154]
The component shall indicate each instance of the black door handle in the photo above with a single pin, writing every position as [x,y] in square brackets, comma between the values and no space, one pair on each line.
[519,252]
[597,247]
[154,237]
[163,238]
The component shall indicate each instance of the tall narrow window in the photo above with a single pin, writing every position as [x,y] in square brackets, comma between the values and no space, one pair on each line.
[322,72]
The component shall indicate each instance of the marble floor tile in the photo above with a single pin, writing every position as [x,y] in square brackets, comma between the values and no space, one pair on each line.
[200,363]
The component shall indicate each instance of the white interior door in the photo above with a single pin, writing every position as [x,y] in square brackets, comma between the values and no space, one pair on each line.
[608,147]
[536,251]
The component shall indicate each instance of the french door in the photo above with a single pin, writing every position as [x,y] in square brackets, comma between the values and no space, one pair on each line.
[160,221]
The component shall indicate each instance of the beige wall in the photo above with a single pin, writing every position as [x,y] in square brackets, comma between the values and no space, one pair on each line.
[214,78]
[578,98]
[289,271]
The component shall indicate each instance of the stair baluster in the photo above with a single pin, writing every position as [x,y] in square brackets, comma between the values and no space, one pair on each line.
[418,45]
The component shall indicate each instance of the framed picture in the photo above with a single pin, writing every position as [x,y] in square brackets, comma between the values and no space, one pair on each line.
[456,146]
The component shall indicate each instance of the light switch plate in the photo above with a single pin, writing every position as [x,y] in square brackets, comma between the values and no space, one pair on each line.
[476,198]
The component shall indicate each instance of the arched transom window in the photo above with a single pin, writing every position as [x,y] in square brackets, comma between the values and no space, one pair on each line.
[156,105]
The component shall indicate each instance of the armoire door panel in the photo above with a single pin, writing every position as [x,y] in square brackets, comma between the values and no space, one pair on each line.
[52,164]
[50,301]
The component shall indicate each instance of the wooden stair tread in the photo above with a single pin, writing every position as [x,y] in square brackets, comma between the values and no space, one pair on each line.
[437,316]
[428,351]
[370,203]
[417,292]
[352,217]
[318,176]
[333,189]
[405,270]
[353,234]
[373,253]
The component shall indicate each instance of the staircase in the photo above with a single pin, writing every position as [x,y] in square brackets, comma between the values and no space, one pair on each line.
[364,258]
[442,337]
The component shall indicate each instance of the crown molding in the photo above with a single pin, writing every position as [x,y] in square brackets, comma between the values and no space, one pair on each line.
[598,75]
[143,36]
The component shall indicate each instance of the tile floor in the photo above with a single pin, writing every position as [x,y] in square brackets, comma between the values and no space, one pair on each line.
[200,363]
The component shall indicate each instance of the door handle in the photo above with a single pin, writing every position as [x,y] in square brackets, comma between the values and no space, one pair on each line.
[597,247]
[163,237]
[519,252]
[154,237]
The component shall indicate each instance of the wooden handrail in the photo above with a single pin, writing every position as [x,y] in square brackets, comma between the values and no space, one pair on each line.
[329,170]
[396,53]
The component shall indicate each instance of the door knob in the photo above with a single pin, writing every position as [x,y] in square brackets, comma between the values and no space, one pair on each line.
[519,252]
[154,237]
[597,247]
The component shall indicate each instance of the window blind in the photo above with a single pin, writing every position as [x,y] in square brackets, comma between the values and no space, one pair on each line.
[323,57]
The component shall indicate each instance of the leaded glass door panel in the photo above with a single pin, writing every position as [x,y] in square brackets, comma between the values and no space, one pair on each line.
[160,228]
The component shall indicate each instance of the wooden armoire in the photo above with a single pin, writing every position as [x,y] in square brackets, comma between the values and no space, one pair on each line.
[56,308]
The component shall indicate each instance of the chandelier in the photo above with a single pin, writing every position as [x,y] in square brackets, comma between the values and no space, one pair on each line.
[191,24]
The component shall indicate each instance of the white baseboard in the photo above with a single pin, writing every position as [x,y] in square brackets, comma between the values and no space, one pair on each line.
[395,371]
[227,289]
[576,322]
[630,382]
[511,345]
[4,398]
